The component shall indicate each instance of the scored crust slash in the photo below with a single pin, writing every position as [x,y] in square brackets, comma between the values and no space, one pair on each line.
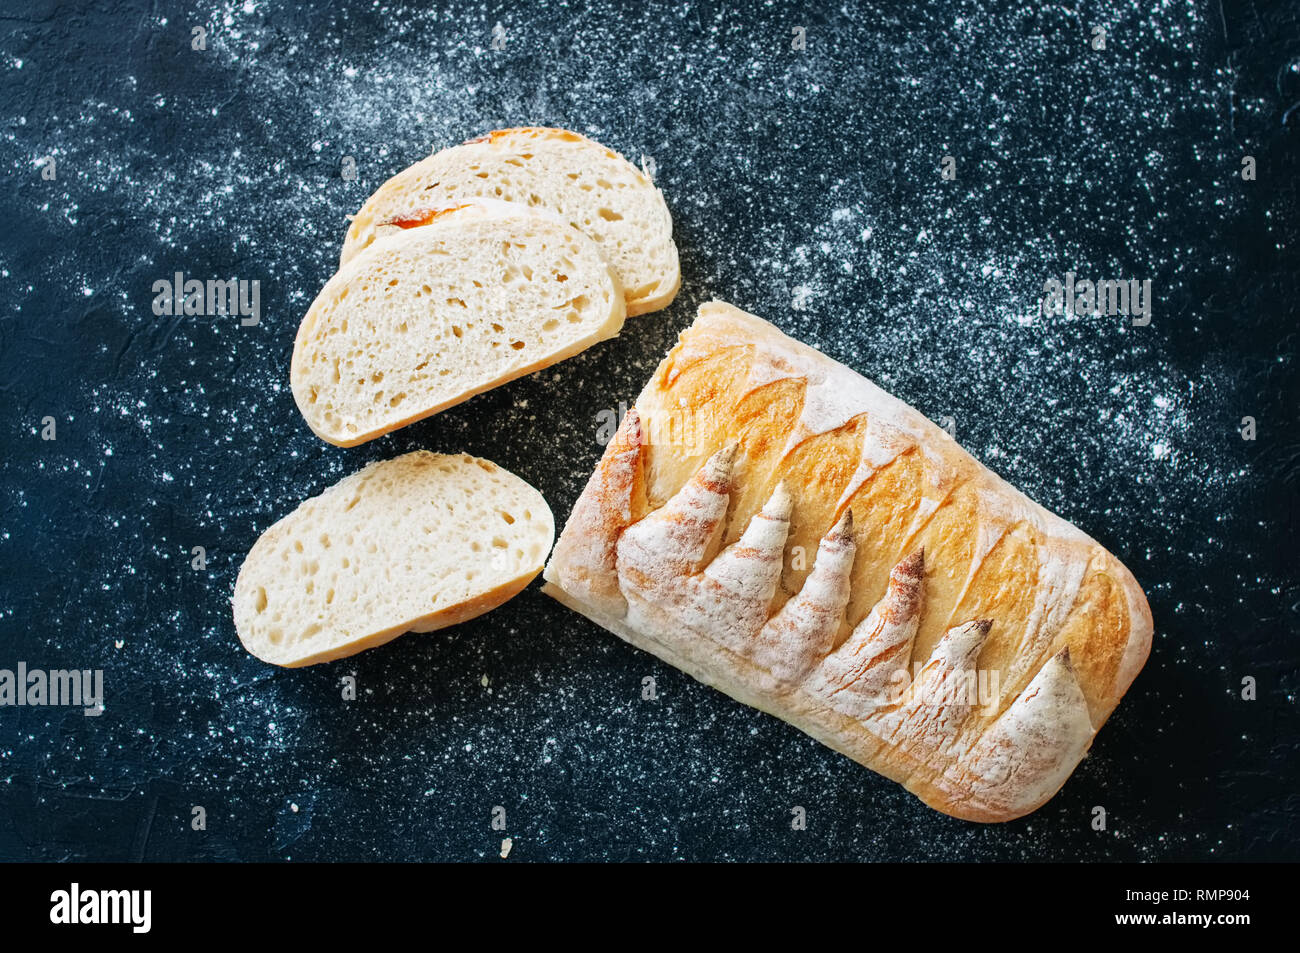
[825,553]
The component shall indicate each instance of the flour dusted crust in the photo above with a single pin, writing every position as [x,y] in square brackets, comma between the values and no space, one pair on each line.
[782,529]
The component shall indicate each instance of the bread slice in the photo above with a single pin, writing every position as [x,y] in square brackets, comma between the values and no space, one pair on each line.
[412,544]
[424,319]
[591,187]
[780,528]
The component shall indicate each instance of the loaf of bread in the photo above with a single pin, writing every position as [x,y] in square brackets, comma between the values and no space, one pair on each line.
[777,526]
[484,293]
[411,544]
[591,187]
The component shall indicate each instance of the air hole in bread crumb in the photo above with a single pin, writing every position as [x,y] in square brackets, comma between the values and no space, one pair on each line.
[609,215]
[518,345]
[259,604]
[455,329]
[507,517]
[496,327]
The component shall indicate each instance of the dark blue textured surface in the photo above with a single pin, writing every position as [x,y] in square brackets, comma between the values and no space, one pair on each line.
[806,188]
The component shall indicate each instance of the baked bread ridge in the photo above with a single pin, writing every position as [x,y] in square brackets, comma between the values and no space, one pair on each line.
[737,414]
[424,319]
[591,186]
[415,543]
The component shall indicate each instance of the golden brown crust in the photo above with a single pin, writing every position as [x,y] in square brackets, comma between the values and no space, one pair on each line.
[849,452]
[536,132]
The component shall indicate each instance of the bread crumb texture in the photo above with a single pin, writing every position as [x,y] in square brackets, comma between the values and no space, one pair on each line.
[413,543]
[430,316]
[591,187]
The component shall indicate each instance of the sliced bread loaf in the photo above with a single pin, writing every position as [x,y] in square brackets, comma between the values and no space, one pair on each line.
[591,187]
[412,544]
[486,292]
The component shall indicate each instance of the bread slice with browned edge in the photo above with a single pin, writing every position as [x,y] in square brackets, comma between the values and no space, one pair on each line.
[412,544]
[423,319]
[591,187]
